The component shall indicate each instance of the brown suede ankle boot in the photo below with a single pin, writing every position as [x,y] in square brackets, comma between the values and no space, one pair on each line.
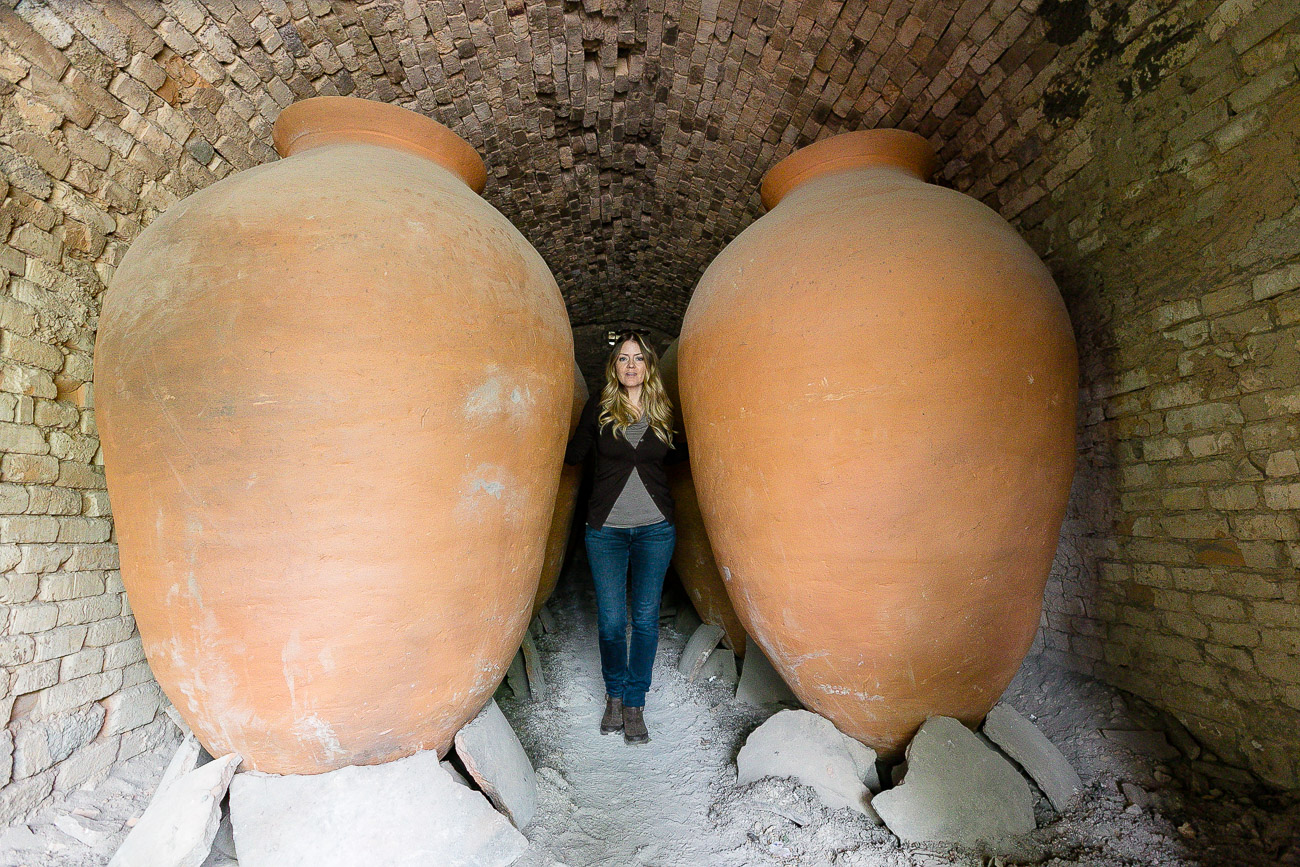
[634,730]
[612,721]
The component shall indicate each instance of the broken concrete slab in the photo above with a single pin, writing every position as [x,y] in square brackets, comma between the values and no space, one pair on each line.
[456,774]
[806,747]
[720,667]
[223,845]
[864,763]
[1181,738]
[1046,765]
[517,677]
[1152,744]
[686,620]
[180,823]
[224,842]
[533,667]
[184,760]
[177,720]
[405,813]
[760,683]
[698,647]
[956,790]
[546,619]
[83,830]
[496,760]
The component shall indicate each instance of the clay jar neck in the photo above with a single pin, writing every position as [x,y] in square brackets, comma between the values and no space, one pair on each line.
[329,120]
[891,149]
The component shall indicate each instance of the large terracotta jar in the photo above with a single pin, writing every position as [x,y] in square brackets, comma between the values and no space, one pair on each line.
[693,559]
[333,394]
[566,501]
[878,380]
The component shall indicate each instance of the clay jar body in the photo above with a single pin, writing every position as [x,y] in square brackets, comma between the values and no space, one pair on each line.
[333,397]
[693,555]
[878,380]
[566,500]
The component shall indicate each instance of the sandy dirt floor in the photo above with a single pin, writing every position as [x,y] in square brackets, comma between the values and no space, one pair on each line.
[675,803]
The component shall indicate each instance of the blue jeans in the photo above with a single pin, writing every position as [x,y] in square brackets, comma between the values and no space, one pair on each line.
[628,565]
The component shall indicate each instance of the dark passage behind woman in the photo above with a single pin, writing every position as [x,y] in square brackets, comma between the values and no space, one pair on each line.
[630,533]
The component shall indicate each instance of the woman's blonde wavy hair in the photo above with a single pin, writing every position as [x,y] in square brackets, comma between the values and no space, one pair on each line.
[616,409]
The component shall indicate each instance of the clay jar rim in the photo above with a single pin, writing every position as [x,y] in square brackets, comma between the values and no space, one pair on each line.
[851,150]
[326,120]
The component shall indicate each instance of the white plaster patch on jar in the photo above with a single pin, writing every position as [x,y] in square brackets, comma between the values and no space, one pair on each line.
[314,729]
[208,686]
[795,661]
[290,666]
[299,672]
[498,395]
[492,488]
[485,400]
[490,491]
[488,676]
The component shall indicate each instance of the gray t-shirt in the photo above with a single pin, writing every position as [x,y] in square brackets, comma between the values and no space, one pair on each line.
[634,506]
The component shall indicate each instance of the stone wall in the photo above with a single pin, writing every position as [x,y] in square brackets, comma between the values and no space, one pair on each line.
[80,169]
[1161,184]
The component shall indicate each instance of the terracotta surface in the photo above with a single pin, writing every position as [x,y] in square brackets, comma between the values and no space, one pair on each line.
[333,393]
[566,500]
[693,556]
[879,384]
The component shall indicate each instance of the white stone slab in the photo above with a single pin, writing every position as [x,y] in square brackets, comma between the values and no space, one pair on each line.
[533,667]
[177,720]
[455,774]
[180,822]
[81,829]
[517,677]
[496,760]
[184,760]
[223,846]
[956,790]
[720,667]
[698,647]
[686,621]
[1030,748]
[806,747]
[406,813]
[760,683]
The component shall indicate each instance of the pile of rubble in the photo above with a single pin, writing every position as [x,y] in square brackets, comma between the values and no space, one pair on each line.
[955,786]
[414,811]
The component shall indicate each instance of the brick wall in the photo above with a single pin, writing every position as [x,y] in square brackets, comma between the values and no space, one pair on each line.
[1160,181]
[1147,150]
[80,169]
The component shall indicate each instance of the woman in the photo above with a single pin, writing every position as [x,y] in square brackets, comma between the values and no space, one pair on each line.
[630,533]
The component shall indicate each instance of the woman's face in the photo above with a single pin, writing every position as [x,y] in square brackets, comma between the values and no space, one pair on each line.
[630,364]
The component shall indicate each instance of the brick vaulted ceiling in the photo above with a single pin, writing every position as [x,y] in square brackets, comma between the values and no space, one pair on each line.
[625,138]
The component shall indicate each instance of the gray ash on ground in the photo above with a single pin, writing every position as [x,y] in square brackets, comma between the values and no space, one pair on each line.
[1174,813]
